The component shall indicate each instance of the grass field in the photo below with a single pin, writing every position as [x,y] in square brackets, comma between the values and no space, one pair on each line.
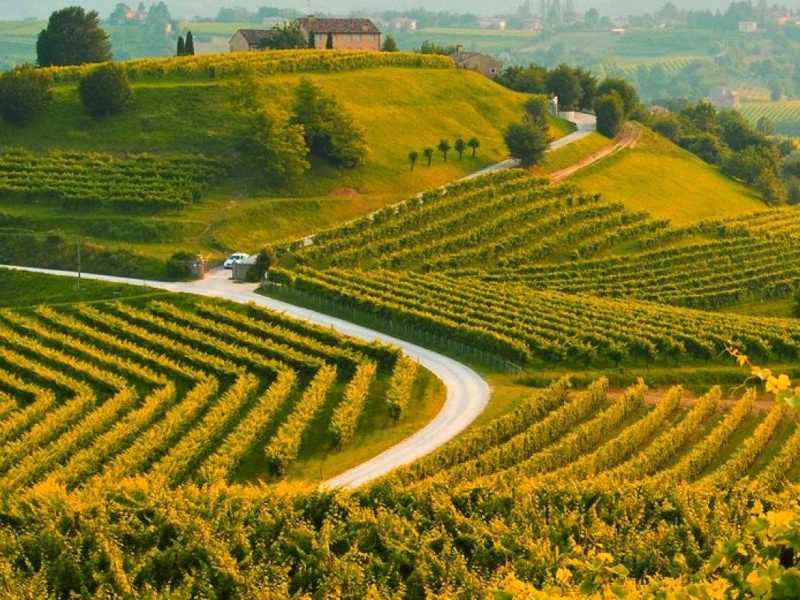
[425,106]
[19,289]
[668,182]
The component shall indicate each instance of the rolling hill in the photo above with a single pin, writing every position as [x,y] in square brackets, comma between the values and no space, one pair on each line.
[178,115]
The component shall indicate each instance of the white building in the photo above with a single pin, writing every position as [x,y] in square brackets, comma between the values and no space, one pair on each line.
[748,26]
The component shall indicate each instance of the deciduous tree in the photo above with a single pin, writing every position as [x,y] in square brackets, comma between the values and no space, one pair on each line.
[105,90]
[526,142]
[73,37]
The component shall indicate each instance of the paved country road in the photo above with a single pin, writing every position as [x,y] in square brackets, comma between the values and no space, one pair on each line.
[467,392]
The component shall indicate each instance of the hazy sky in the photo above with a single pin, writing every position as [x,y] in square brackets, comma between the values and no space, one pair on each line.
[19,9]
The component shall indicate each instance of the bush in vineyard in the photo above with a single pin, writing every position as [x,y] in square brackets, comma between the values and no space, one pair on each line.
[25,93]
[401,386]
[105,90]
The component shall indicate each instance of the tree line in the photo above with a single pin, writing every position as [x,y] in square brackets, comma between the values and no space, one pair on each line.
[444,147]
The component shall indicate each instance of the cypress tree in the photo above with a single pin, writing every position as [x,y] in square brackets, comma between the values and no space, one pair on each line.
[181,47]
[329,42]
[189,46]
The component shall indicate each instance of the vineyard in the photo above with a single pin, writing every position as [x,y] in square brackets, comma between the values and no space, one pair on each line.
[219,66]
[84,180]
[505,220]
[180,393]
[784,115]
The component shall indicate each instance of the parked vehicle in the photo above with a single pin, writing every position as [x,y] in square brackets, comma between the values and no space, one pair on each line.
[234,259]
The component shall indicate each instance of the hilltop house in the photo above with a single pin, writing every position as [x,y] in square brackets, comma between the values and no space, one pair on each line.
[338,34]
[341,34]
[475,61]
[723,97]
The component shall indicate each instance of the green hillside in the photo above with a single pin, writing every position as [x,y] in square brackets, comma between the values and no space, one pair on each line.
[667,182]
[399,108]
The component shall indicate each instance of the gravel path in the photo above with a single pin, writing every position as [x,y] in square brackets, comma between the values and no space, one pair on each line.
[467,393]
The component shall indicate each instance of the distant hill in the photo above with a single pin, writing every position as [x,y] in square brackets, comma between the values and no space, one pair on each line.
[190,8]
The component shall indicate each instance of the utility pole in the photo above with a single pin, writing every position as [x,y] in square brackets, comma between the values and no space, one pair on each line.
[78,247]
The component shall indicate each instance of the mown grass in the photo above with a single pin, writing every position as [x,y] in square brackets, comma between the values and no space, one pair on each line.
[399,109]
[19,289]
[668,182]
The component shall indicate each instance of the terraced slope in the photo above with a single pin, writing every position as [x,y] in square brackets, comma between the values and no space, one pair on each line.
[183,393]
[599,441]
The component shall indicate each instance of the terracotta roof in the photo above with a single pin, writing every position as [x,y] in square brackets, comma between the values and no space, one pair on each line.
[315,25]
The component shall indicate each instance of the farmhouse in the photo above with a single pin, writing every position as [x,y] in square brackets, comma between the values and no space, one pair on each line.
[475,61]
[341,34]
[337,34]
[248,40]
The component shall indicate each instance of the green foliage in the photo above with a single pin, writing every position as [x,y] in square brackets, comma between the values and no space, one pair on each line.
[72,37]
[389,44]
[413,156]
[444,148]
[279,147]
[181,46]
[626,92]
[265,260]
[105,90]
[530,79]
[179,265]
[428,154]
[329,130]
[564,83]
[474,144]
[537,108]
[188,49]
[460,146]
[610,111]
[24,94]
[284,37]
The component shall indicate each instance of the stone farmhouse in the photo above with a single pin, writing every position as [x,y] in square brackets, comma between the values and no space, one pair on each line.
[338,34]
[476,61]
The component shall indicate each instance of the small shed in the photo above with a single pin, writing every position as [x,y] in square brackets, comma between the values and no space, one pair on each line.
[241,268]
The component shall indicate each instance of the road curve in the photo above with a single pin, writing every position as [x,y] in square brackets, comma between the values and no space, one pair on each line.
[467,392]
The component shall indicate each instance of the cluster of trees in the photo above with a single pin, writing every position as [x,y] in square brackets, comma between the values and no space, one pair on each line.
[427,18]
[316,127]
[186,45]
[737,11]
[614,100]
[444,147]
[145,31]
[727,139]
[576,88]
[284,37]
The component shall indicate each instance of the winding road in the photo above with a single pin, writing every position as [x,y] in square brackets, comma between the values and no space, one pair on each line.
[467,393]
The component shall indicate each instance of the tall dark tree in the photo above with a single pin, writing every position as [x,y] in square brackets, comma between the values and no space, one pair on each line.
[444,148]
[389,44]
[474,143]
[563,82]
[329,42]
[189,48]
[72,37]
[428,154]
[412,158]
[610,111]
[181,46]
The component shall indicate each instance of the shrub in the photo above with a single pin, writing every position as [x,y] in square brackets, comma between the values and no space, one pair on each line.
[179,265]
[536,110]
[706,146]
[527,143]
[610,113]
[265,260]
[24,94]
[105,90]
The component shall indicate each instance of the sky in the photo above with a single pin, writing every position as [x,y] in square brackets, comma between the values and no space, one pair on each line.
[20,9]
